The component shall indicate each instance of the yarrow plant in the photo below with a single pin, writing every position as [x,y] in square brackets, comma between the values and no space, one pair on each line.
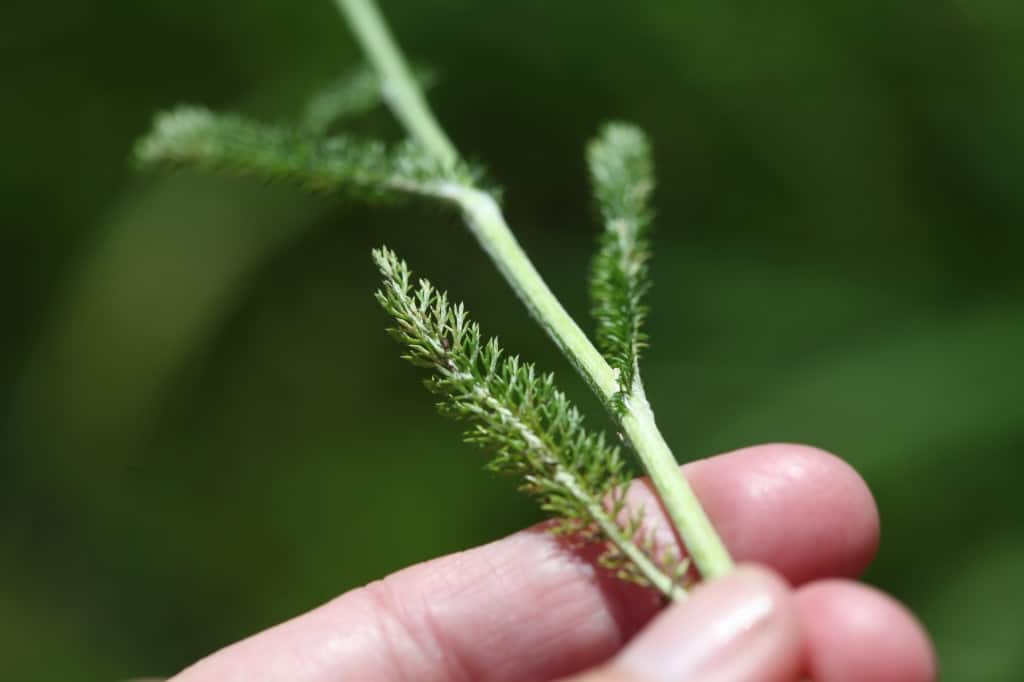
[511,409]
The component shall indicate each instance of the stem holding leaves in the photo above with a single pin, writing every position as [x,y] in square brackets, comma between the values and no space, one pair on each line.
[485,219]
[518,413]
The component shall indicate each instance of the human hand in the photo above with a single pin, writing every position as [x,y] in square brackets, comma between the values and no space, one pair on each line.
[525,608]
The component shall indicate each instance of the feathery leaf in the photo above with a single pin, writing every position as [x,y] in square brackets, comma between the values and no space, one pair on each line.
[364,168]
[531,428]
[622,174]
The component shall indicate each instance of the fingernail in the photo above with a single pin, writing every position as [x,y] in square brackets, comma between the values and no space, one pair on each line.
[726,629]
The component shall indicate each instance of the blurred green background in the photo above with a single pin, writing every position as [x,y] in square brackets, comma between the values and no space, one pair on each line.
[205,430]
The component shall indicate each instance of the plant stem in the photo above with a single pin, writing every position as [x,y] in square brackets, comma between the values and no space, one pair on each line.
[399,87]
[487,223]
[637,421]
[677,497]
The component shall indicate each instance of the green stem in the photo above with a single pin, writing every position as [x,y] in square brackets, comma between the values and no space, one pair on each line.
[681,504]
[397,82]
[487,223]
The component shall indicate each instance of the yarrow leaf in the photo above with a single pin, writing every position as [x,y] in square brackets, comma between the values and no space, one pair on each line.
[368,169]
[530,427]
[622,175]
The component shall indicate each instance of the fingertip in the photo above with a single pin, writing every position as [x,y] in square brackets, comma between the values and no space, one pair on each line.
[855,633]
[803,510]
[742,626]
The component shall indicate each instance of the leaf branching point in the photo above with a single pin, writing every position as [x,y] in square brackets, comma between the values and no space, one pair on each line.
[533,431]
[622,174]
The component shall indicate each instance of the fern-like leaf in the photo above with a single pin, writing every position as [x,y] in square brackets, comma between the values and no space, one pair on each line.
[533,431]
[622,174]
[194,136]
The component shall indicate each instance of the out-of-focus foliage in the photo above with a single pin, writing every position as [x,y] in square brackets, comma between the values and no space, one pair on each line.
[206,431]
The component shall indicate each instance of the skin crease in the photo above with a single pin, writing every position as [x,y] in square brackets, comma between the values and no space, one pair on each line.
[529,608]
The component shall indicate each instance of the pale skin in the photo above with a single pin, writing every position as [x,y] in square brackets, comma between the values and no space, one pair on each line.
[800,521]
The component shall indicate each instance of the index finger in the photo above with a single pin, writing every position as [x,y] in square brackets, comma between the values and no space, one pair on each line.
[526,608]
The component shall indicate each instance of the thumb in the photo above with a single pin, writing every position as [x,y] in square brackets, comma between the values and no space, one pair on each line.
[742,627]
